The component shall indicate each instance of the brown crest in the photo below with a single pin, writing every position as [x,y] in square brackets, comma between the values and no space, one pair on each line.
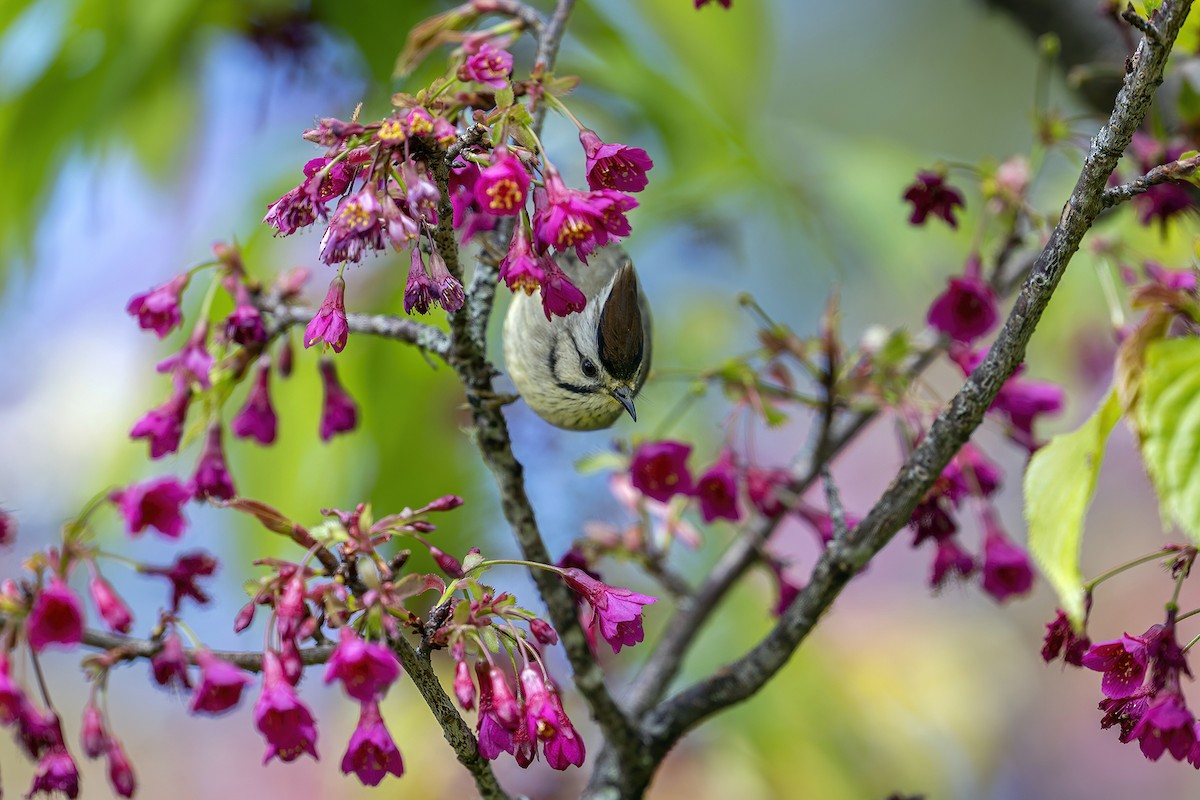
[621,333]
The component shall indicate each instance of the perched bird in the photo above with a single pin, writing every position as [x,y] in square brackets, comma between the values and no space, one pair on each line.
[581,371]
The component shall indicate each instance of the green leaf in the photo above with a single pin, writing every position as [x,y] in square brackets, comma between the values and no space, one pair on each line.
[471,562]
[1059,483]
[329,533]
[1169,421]
[603,461]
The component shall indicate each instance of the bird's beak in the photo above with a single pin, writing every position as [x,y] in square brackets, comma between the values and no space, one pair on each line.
[624,396]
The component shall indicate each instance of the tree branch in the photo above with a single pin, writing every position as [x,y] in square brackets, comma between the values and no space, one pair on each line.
[843,559]
[387,326]
[1179,170]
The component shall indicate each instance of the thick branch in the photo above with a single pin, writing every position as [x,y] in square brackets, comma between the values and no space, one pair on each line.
[843,559]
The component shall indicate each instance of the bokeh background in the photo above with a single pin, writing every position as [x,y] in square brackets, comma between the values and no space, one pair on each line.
[783,133]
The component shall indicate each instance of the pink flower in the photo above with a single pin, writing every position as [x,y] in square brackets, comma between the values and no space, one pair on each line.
[372,753]
[55,617]
[354,229]
[567,218]
[183,574]
[283,720]
[366,669]
[488,65]
[257,418]
[449,290]
[618,611]
[614,166]
[169,665]
[162,427]
[717,491]
[212,479]
[543,632]
[949,559]
[92,736]
[501,189]
[1181,280]
[420,193]
[764,486]
[1006,568]
[659,470]
[931,195]
[112,608]
[968,308]
[504,702]
[566,746]
[401,229]
[290,213]
[1061,638]
[788,588]
[560,297]
[541,720]
[464,687]
[8,528]
[120,773]
[158,309]
[221,685]
[494,738]
[1123,661]
[193,362]
[156,503]
[56,772]
[971,473]
[330,325]
[419,290]
[12,699]
[339,414]
[326,180]
[1166,725]
[521,268]
[244,325]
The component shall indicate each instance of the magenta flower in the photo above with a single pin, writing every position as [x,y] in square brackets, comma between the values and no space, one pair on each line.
[449,290]
[169,665]
[494,738]
[158,309]
[156,503]
[723,3]
[419,290]
[193,362]
[244,325]
[488,65]
[717,490]
[212,479]
[221,685]
[112,608]
[56,772]
[614,166]
[339,413]
[257,418]
[12,699]
[326,179]
[931,520]
[1006,568]
[968,308]
[1022,402]
[330,325]
[560,297]
[567,218]
[1167,725]
[283,720]
[464,687]
[787,588]
[1166,200]
[162,427]
[37,731]
[420,193]
[293,211]
[521,268]
[92,737]
[541,719]
[55,618]
[523,748]
[659,470]
[8,528]
[971,473]
[617,611]
[371,753]
[1180,280]
[566,747]
[1061,638]
[366,669]
[401,229]
[950,559]
[120,773]
[1123,661]
[355,228]
[501,188]
[543,632]
[183,574]
[504,702]
[931,195]
[764,487]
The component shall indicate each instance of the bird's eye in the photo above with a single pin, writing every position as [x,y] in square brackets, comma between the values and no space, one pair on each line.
[589,369]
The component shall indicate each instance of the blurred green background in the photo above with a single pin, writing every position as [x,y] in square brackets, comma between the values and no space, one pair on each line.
[783,135]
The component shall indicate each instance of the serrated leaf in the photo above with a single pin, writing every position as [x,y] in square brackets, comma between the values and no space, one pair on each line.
[490,640]
[1059,483]
[471,561]
[1168,419]
[329,532]
[505,97]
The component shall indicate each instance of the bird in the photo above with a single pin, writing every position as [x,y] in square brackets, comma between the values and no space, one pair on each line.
[582,371]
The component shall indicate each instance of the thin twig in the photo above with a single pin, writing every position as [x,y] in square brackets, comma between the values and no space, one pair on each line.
[1179,170]
[387,326]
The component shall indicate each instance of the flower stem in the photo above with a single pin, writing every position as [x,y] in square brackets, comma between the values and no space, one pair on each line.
[1094,582]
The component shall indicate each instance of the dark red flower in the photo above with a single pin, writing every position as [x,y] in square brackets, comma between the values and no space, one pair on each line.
[968,308]
[931,195]
[283,720]
[949,559]
[56,772]
[55,618]
[183,574]
[1061,638]
[717,491]
[419,290]
[372,753]
[156,503]
[659,470]
[1006,568]
[212,479]
[1123,661]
